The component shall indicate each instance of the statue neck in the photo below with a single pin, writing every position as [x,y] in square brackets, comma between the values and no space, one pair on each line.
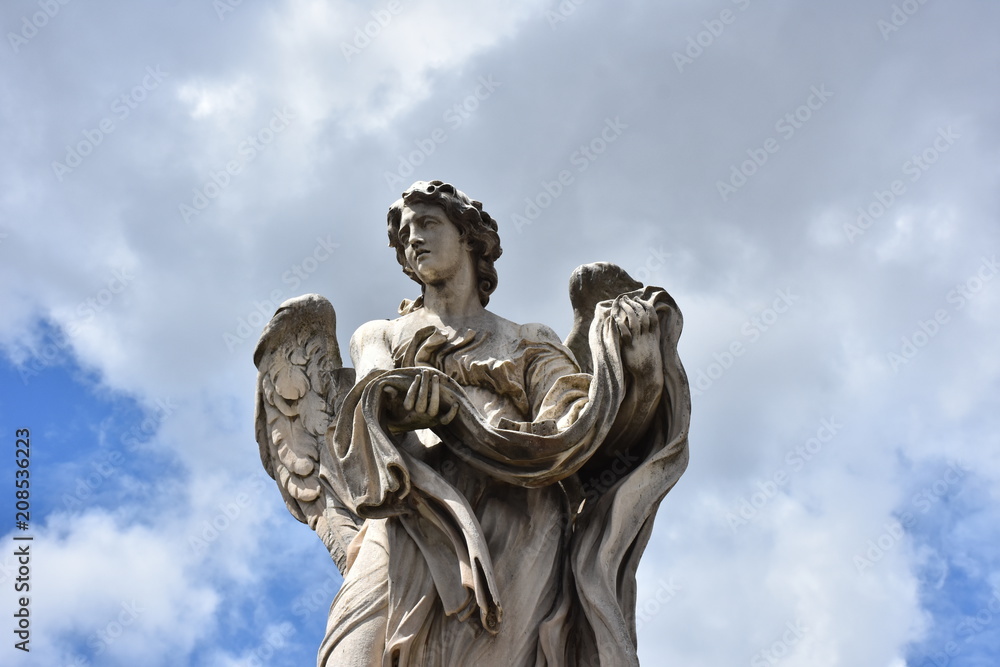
[451,307]
[456,299]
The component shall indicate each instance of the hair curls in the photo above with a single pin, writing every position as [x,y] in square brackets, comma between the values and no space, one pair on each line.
[475,226]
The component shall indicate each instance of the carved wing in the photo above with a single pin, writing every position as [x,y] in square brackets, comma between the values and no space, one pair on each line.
[300,385]
[589,285]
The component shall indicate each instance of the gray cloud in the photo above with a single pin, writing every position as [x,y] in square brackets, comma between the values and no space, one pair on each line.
[185,323]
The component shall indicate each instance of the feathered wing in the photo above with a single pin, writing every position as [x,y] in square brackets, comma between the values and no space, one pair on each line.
[301,382]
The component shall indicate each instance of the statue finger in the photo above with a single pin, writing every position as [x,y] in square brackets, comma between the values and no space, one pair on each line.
[411,393]
[654,320]
[650,323]
[634,321]
[638,315]
[621,323]
[435,401]
[451,414]
[422,395]
[647,317]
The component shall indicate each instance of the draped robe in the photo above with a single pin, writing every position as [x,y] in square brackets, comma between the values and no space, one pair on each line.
[510,536]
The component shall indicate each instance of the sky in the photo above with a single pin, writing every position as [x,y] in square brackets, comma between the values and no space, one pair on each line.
[814,183]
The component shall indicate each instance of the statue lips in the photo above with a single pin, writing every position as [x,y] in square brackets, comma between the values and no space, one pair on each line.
[420,257]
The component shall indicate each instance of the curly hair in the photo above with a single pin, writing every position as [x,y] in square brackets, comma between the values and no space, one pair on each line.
[475,226]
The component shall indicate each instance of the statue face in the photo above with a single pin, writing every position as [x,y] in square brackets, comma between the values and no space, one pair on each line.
[433,245]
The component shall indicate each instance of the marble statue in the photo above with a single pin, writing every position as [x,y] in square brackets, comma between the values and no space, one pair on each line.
[485,489]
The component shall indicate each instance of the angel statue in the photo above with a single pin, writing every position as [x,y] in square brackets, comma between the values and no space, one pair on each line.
[485,489]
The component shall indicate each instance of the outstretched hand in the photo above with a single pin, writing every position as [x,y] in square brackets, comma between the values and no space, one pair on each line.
[423,405]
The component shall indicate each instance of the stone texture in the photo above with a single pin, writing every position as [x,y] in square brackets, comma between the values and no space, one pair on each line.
[486,490]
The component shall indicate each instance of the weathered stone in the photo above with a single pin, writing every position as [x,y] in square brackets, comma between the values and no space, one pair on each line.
[485,489]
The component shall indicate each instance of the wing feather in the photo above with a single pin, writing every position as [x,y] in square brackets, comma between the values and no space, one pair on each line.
[300,385]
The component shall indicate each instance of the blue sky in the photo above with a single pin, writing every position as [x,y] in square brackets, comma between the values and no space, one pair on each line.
[815,184]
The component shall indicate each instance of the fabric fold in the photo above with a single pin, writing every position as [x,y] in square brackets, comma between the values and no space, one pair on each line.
[377,477]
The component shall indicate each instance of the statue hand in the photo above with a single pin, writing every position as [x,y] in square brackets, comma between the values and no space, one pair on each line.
[639,328]
[422,407]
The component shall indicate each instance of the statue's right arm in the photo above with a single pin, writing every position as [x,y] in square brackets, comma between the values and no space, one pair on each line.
[420,407]
[370,348]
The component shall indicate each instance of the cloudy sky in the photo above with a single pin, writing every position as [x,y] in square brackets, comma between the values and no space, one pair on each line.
[815,184]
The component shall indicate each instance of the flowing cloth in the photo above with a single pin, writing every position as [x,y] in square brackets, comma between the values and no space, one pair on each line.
[473,552]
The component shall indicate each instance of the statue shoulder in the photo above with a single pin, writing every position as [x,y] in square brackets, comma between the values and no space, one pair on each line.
[539,333]
[370,346]
[519,334]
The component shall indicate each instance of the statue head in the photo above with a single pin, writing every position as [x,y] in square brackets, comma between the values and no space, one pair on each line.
[475,226]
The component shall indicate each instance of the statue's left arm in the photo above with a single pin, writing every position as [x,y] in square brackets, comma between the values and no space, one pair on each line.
[642,360]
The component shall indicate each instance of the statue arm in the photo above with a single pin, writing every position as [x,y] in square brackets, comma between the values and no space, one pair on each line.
[557,389]
[419,406]
[370,348]
[642,360]
[560,392]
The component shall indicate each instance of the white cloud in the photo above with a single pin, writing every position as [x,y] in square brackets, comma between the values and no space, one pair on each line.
[162,335]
